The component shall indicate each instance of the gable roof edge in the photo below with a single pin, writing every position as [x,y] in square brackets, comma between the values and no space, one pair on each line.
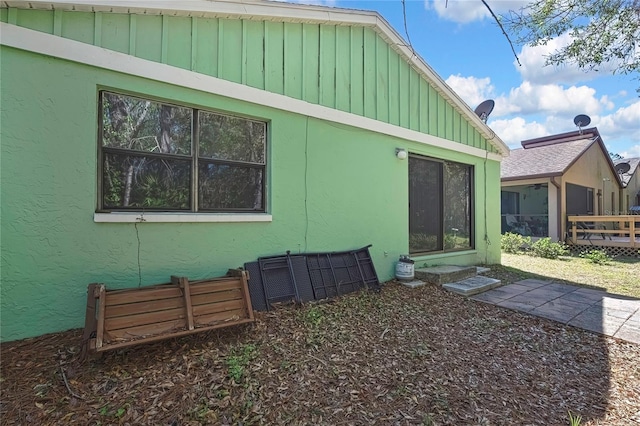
[75,51]
[577,157]
[284,11]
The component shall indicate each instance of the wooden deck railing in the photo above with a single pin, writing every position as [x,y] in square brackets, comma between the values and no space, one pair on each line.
[621,231]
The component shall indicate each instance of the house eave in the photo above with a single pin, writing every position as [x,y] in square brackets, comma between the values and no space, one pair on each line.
[278,11]
[526,177]
[74,51]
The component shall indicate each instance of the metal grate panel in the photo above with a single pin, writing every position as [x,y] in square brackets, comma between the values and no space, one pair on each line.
[310,276]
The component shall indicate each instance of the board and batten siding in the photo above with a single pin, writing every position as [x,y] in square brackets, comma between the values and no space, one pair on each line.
[349,68]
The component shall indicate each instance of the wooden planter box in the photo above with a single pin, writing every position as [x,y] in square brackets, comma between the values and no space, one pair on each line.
[121,318]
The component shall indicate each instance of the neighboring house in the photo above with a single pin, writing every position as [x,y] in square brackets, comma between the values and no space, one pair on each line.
[556,176]
[629,171]
[143,139]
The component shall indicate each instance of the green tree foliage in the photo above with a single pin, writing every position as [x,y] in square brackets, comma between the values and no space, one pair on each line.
[603,32]
[230,139]
[141,126]
[148,163]
[615,156]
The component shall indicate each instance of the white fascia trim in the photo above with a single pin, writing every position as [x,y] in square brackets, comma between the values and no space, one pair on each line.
[282,11]
[245,9]
[277,11]
[71,50]
[138,217]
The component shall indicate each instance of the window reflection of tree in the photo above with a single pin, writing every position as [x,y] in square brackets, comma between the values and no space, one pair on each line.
[147,157]
[440,205]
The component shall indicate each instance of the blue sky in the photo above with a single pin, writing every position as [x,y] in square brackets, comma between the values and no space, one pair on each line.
[464,45]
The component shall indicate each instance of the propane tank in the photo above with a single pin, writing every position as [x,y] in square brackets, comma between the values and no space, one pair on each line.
[404,269]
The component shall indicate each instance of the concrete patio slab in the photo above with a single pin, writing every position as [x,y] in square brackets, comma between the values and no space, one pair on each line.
[531,299]
[562,288]
[504,292]
[584,295]
[618,304]
[590,309]
[630,334]
[532,283]
[545,293]
[595,322]
[518,306]
[565,305]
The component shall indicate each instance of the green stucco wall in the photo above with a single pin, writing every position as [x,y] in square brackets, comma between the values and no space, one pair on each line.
[354,186]
[349,68]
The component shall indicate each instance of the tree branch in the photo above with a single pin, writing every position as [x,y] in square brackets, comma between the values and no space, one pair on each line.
[503,31]
[406,30]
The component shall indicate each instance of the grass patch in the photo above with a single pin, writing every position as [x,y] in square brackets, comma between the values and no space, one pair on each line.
[238,361]
[620,275]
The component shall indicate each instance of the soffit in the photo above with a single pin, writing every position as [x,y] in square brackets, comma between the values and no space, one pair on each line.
[278,11]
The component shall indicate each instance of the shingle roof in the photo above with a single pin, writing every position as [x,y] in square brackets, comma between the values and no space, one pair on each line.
[633,163]
[547,160]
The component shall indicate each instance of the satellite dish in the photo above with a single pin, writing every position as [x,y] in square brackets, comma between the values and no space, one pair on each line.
[622,168]
[484,109]
[581,120]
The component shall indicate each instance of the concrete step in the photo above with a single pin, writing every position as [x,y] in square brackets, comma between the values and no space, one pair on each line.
[445,274]
[412,283]
[482,269]
[473,285]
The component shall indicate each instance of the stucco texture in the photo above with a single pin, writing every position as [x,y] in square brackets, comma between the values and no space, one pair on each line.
[330,187]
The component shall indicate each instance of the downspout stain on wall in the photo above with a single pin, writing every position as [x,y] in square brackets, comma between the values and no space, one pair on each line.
[558,203]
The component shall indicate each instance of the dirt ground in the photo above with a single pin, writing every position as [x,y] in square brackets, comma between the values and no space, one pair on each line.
[397,357]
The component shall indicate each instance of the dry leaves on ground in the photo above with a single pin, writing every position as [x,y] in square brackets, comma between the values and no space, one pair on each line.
[400,356]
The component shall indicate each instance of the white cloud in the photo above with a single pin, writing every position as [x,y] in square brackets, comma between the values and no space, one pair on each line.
[606,102]
[515,130]
[531,98]
[632,152]
[458,11]
[534,110]
[471,89]
[465,11]
[623,122]
[535,70]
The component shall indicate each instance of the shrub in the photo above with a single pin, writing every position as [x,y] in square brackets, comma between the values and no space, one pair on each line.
[514,243]
[599,257]
[547,249]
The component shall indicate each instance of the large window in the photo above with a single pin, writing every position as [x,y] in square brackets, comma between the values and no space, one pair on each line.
[440,205]
[163,157]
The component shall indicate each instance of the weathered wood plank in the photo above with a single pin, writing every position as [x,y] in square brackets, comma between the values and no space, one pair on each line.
[147,306]
[215,286]
[100,325]
[143,331]
[183,282]
[208,298]
[132,316]
[144,318]
[90,320]
[218,307]
[119,297]
[157,338]
[222,318]
[246,295]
